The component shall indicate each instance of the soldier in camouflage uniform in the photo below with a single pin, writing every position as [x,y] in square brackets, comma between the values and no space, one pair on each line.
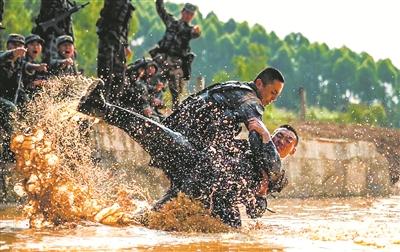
[10,85]
[112,29]
[64,62]
[173,53]
[200,171]
[136,97]
[34,71]
[50,9]
[213,116]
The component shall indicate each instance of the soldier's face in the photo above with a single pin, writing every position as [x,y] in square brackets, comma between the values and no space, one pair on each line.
[34,49]
[13,45]
[187,16]
[67,50]
[269,93]
[285,142]
[151,70]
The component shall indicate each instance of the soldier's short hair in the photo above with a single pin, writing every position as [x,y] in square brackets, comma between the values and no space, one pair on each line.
[289,127]
[269,74]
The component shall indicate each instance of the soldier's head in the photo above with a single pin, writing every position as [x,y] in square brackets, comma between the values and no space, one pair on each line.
[188,12]
[14,41]
[65,46]
[34,44]
[151,68]
[285,139]
[269,83]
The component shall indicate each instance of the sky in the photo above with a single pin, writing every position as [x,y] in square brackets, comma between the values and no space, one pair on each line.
[361,25]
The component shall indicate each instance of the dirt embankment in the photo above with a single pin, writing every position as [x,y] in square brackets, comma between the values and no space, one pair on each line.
[386,140]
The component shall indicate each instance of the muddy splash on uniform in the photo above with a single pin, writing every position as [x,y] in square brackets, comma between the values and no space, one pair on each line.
[64,185]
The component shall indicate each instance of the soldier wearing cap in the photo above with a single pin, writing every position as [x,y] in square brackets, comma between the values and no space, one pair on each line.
[137,96]
[33,70]
[173,53]
[64,63]
[10,86]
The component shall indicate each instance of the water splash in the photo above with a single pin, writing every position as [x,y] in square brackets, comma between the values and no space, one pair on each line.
[63,184]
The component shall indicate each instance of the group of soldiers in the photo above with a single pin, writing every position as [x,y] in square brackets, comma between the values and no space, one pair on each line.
[196,145]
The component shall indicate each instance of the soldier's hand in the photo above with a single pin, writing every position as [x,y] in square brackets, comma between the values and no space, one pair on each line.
[69,62]
[156,102]
[258,126]
[41,67]
[159,86]
[147,111]
[37,83]
[196,29]
[19,52]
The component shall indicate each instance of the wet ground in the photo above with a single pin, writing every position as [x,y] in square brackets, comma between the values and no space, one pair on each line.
[351,224]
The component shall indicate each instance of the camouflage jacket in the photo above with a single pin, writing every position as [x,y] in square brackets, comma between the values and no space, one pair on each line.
[10,72]
[213,116]
[177,35]
[56,67]
[114,19]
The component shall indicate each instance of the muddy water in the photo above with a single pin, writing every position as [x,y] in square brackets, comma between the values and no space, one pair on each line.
[353,224]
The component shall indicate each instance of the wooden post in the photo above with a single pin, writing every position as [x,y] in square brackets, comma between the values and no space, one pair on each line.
[200,84]
[303,108]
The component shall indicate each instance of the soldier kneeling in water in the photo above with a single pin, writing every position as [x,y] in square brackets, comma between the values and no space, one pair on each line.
[218,180]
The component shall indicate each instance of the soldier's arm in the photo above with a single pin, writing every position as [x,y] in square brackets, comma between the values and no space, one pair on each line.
[166,17]
[196,32]
[256,207]
[31,68]
[6,56]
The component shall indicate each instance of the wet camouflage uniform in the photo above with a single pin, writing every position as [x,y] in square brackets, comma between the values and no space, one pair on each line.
[48,10]
[10,71]
[200,172]
[112,29]
[213,116]
[173,53]
[56,63]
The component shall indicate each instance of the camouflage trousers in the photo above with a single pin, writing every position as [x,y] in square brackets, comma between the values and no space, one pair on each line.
[172,73]
[111,66]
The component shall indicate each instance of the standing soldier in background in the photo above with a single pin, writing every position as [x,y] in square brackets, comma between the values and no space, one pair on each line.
[53,21]
[112,29]
[173,53]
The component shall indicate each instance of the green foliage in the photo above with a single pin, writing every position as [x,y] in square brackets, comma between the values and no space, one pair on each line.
[235,50]
[273,117]
[361,113]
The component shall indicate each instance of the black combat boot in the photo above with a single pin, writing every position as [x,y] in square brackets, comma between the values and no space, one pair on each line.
[93,103]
